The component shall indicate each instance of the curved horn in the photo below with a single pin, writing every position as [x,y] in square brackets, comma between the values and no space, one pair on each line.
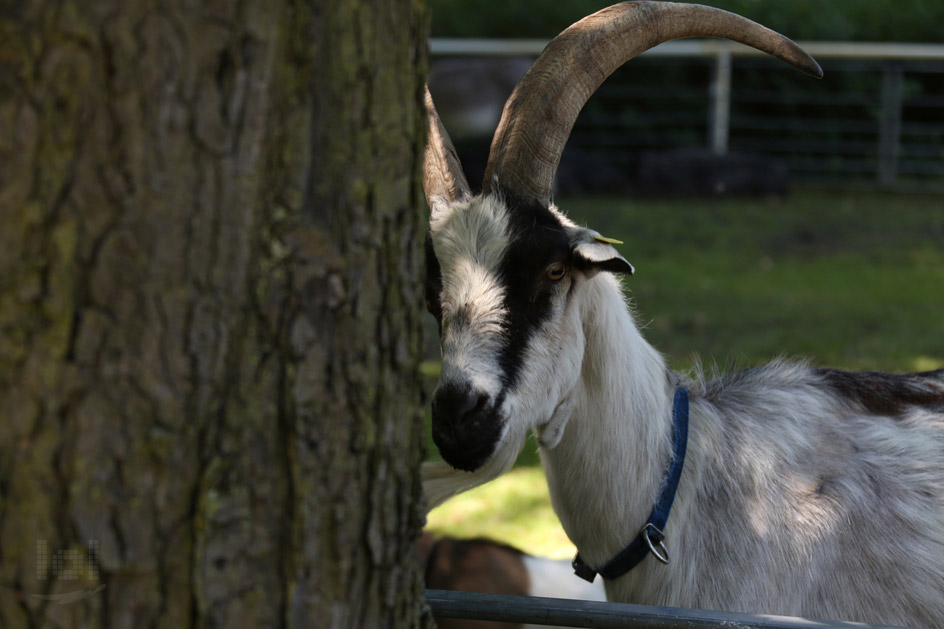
[442,172]
[541,111]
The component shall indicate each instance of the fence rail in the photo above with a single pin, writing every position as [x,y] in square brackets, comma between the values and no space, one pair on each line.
[564,612]
[698,48]
[878,116]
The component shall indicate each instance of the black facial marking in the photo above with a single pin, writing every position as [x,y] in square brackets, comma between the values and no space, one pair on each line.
[433,282]
[888,394]
[537,239]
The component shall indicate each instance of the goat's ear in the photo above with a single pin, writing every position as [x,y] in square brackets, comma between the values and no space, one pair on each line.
[593,253]
[437,205]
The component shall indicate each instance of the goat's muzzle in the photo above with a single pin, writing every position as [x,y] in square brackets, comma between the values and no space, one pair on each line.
[466,425]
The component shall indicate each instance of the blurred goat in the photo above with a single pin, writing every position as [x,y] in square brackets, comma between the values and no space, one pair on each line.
[483,565]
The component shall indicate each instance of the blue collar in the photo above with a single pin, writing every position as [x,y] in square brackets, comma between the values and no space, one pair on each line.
[651,537]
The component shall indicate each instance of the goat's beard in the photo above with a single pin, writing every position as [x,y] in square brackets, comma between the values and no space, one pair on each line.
[441,481]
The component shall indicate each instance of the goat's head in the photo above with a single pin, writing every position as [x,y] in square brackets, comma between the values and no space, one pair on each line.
[503,267]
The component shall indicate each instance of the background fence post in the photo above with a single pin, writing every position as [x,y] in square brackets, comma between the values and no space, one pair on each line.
[720,100]
[889,134]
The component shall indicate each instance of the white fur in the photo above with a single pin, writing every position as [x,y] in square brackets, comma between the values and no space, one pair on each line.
[794,500]
[469,240]
[554,578]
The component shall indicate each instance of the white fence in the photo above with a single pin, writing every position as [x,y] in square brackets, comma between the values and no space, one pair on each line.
[877,117]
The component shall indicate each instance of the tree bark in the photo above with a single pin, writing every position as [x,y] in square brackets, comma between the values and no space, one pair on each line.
[210,250]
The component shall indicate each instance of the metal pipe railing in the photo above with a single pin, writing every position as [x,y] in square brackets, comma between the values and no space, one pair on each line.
[565,612]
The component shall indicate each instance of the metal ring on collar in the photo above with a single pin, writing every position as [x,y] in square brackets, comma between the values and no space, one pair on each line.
[646,532]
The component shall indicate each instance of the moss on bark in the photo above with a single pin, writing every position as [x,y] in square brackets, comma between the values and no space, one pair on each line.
[209,312]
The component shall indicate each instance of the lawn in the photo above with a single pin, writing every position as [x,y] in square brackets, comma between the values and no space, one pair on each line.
[845,279]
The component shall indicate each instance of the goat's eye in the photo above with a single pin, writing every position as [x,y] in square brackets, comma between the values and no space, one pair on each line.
[556,271]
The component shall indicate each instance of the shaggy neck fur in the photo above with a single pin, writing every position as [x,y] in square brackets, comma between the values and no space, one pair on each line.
[621,429]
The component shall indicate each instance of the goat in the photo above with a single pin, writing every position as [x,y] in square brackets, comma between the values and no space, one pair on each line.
[805,491]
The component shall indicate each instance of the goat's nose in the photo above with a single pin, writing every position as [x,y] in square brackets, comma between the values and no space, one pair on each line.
[456,403]
[466,427]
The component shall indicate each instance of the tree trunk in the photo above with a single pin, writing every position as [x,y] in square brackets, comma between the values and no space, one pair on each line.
[210,252]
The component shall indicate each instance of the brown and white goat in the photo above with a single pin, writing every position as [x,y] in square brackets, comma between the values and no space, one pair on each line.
[484,565]
[805,492]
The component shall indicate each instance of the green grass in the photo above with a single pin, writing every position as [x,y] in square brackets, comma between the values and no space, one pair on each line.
[515,509]
[846,279]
